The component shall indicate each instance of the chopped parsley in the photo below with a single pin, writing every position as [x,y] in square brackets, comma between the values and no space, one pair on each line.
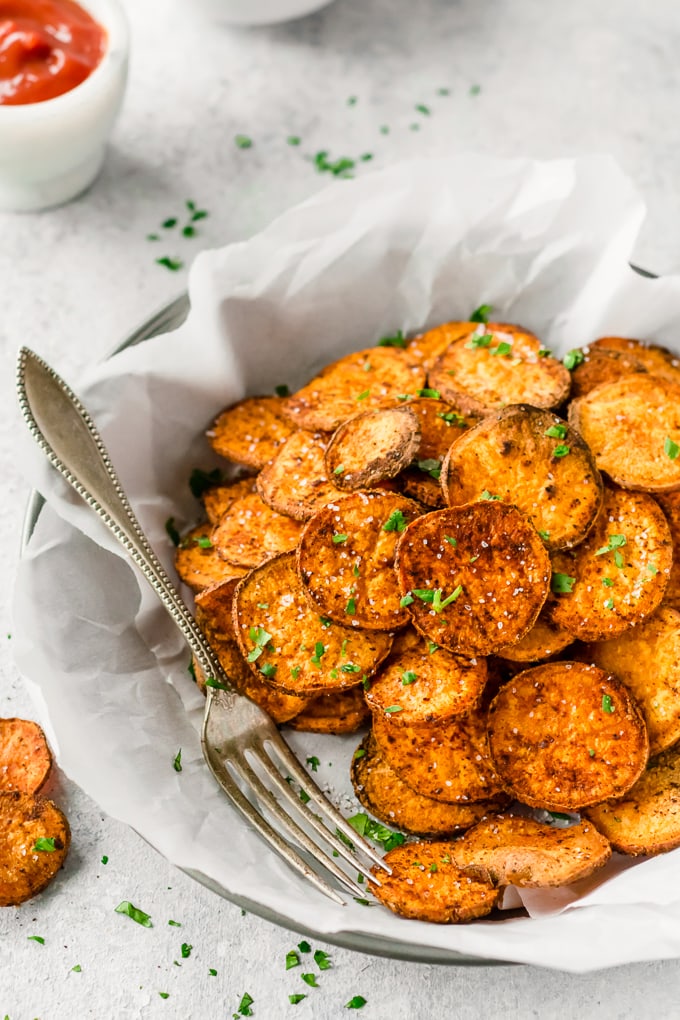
[105,859]
[295,672]
[243,142]
[77,969]
[337,539]
[319,650]
[339,469]
[322,960]
[544,352]
[313,763]
[212,972]
[395,522]
[200,480]
[376,832]
[172,531]
[504,350]
[352,101]
[561,450]
[203,542]
[572,359]
[169,223]
[350,667]
[292,960]
[406,600]
[36,938]
[488,495]
[443,92]
[351,606]
[175,924]
[562,584]
[310,979]
[431,467]
[45,845]
[186,950]
[607,704]
[359,753]
[293,140]
[244,1006]
[135,913]
[164,995]
[364,394]
[481,314]
[475,90]
[421,108]
[269,669]
[451,541]
[282,390]
[608,582]
[545,535]
[304,947]
[396,340]
[432,647]
[609,604]
[670,448]
[210,681]
[451,418]
[391,709]
[357,1001]
[614,543]
[408,677]
[434,394]
[339,168]
[173,264]
[652,569]
[556,432]
[434,597]
[591,752]
[479,340]
[177,761]
[296,997]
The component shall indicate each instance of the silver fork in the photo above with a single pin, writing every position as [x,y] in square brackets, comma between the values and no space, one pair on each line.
[238,738]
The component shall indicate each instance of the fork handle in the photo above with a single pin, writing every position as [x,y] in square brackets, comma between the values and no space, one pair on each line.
[67,435]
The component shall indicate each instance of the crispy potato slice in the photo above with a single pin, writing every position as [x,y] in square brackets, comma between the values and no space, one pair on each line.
[286,641]
[24,871]
[25,758]
[564,735]
[448,762]
[545,639]
[632,427]
[372,446]
[670,504]
[525,853]
[220,498]
[250,531]
[337,712]
[198,563]
[346,559]
[250,432]
[532,459]
[618,576]
[358,382]
[600,366]
[440,425]
[428,683]
[657,359]
[647,659]
[380,790]
[426,885]
[427,347]
[463,570]
[295,483]
[647,819]
[482,376]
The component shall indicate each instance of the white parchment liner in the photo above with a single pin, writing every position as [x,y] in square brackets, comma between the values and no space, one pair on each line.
[547,244]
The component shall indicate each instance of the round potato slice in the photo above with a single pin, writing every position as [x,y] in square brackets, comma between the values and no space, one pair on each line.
[657,359]
[534,460]
[474,577]
[250,531]
[448,762]
[670,504]
[289,644]
[496,365]
[250,432]
[24,869]
[440,425]
[618,575]
[545,639]
[198,563]
[337,712]
[429,684]
[632,427]
[564,735]
[25,758]
[647,819]
[358,382]
[380,790]
[426,885]
[295,483]
[346,559]
[599,366]
[525,853]
[647,659]
[220,498]
[372,446]
[427,347]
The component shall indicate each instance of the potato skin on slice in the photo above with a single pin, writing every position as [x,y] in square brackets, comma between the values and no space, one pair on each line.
[220,498]
[250,531]
[380,790]
[627,424]
[25,758]
[490,555]
[201,566]
[250,432]
[362,381]
[658,360]
[545,639]
[372,446]
[305,654]
[426,885]
[24,872]
[533,460]
[544,724]
[295,482]
[338,712]
[601,365]
[346,555]
[670,504]
[485,378]
[528,854]
[440,425]
[604,591]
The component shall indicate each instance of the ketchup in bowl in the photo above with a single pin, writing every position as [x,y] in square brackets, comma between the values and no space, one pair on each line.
[47,47]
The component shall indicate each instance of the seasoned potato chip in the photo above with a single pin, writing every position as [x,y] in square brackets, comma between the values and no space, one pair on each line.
[532,459]
[525,853]
[358,382]
[25,870]
[647,819]
[632,427]
[600,366]
[25,758]
[289,644]
[647,659]
[426,885]
[250,531]
[389,799]
[474,577]
[346,559]
[564,735]
[250,432]
[545,639]
[670,504]
[295,483]
[372,446]
[657,359]
[440,425]
[618,576]
[448,762]
[337,712]
[496,365]
[198,563]
[427,347]
[220,498]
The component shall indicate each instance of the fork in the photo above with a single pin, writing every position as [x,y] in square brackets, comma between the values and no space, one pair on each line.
[239,740]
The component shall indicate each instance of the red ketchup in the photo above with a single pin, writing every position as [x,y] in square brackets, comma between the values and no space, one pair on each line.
[47,47]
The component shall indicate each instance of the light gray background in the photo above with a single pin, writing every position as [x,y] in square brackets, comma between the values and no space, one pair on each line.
[556,80]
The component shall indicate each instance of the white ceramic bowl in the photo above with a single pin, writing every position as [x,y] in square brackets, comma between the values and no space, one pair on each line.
[51,151]
[259,12]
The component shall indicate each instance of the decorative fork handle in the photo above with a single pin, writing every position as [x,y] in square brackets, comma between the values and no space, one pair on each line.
[67,435]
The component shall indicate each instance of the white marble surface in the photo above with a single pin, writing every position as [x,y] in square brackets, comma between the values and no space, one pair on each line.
[556,79]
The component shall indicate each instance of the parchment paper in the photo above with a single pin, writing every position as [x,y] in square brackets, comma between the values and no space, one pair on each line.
[547,244]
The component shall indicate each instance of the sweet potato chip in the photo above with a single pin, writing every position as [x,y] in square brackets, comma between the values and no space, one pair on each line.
[28,823]
[474,577]
[25,758]
[337,712]
[427,347]
[564,735]
[600,366]
[670,504]
[534,460]
[372,446]
[295,483]
[289,644]
[545,639]
[250,432]
[220,498]
[658,360]
[250,531]
[198,563]
[346,559]
[441,424]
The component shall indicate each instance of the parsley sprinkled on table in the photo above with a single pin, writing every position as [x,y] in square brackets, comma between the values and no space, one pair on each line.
[135,913]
